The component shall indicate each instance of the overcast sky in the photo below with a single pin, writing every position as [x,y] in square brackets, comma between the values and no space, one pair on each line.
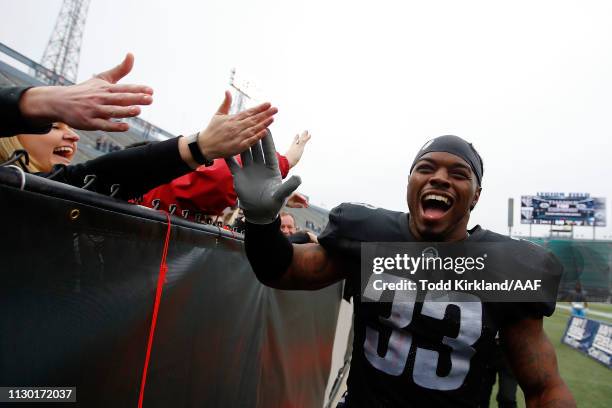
[528,82]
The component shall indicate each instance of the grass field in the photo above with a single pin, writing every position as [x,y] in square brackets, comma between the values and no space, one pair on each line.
[601,307]
[589,381]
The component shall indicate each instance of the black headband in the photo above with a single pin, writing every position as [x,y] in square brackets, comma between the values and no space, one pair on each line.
[457,146]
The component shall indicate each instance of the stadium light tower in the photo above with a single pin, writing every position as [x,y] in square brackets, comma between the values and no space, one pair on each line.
[63,50]
[245,93]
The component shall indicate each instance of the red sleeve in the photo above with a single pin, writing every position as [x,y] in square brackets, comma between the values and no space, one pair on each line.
[207,190]
[283,164]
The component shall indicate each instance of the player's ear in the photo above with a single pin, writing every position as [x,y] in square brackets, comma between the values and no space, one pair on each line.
[476,198]
[408,189]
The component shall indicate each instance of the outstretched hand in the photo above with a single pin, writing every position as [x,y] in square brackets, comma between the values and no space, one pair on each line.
[90,105]
[296,150]
[227,135]
[258,183]
[297,200]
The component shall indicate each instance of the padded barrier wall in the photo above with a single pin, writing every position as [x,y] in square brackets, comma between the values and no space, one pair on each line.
[79,273]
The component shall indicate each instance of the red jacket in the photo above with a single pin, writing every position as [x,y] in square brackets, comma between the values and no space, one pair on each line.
[207,190]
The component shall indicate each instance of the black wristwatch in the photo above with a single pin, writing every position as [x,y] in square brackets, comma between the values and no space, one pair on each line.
[196,153]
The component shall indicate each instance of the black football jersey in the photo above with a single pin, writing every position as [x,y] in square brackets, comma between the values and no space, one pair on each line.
[430,354]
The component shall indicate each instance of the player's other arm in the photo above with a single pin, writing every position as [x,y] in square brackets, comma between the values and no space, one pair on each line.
[534,363]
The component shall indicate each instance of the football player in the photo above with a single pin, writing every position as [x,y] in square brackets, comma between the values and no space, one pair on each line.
[424,354]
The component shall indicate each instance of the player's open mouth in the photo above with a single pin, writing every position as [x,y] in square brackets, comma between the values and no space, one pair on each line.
[64,151]
[435,206]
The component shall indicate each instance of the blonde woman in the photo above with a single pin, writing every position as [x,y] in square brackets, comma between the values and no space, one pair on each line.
[45,151]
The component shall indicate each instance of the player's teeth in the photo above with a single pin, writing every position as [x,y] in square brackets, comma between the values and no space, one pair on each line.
[438,198]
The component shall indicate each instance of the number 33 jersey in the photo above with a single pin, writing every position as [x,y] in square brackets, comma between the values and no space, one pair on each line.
[418,354]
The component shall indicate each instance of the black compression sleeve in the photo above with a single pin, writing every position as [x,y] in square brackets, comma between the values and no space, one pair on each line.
[136,170]
[12,121]
[268,250]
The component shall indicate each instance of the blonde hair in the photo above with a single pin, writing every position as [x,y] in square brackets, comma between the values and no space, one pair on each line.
[8,145]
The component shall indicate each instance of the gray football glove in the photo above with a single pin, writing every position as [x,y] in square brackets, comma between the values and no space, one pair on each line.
[258,183]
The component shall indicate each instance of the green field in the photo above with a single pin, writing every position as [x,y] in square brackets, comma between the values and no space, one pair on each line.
[589,381]
[594,311]
[601,307]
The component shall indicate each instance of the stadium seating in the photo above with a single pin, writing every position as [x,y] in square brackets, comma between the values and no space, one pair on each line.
[312,218]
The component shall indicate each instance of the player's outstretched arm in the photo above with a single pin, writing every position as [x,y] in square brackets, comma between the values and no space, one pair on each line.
[262,194]
[311,268]
[534,363]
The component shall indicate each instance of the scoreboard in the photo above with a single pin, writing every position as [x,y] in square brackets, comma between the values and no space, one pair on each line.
[560,209]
